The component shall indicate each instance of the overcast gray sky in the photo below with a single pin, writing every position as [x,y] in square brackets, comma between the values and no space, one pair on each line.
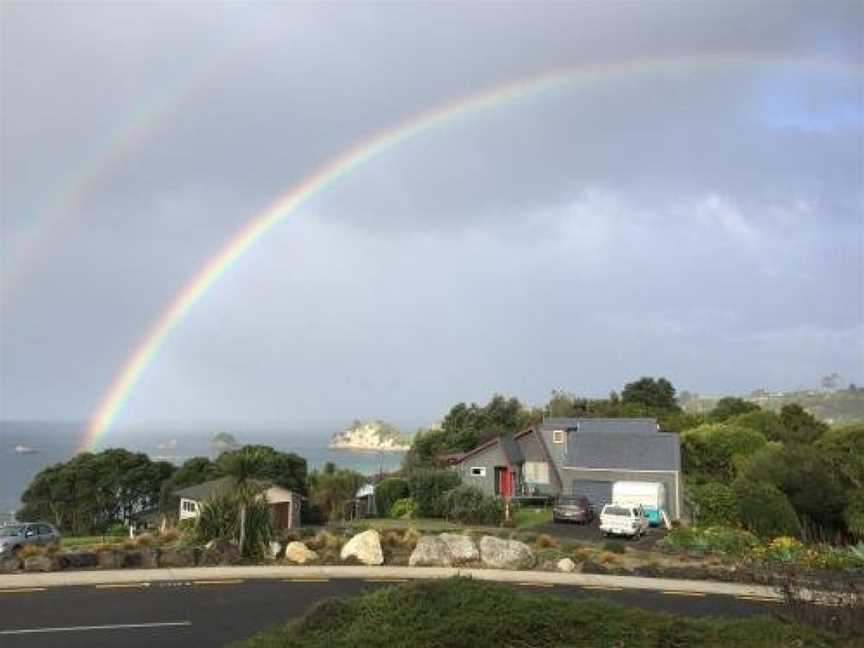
[696,222]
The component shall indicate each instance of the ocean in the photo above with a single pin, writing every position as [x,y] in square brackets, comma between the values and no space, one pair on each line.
[57,442]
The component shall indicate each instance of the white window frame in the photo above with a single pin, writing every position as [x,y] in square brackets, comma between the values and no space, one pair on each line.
[558,436]
[536,467]
[478,471]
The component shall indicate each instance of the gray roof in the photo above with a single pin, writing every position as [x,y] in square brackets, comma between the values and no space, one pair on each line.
[630,425]
[201,492]
[511,449]
[625,450]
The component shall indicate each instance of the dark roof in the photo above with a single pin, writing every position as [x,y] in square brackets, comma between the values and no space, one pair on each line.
[200,492]
[630,425]
[480,448]
[625,450]
[511,449]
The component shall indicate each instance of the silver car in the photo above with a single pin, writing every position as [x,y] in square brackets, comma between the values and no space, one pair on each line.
[15,536]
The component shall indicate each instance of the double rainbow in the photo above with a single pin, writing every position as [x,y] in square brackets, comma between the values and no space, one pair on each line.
[143,356]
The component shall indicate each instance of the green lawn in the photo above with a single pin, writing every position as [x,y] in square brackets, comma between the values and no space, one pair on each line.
[528,517]
[86,541]
[461,612]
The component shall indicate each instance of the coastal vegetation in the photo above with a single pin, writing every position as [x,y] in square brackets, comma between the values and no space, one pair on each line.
[462,612]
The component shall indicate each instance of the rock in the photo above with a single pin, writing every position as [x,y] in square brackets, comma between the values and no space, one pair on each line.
[299,553]
[462,548]
[220,552]
[79,560]
[110,559]
[275,549]
[565,565]
[430,551]
[365,547]
[178,557]
[38,564]
[9,565]
[505,554]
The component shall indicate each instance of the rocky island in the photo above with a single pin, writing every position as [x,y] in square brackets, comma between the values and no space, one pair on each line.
[369,435]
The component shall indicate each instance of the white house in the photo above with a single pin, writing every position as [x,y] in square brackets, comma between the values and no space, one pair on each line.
[284,504]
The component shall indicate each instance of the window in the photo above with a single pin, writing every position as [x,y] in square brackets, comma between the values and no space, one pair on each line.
[44,530]
[557,436]
[478,471]
[188,506]
[536,472]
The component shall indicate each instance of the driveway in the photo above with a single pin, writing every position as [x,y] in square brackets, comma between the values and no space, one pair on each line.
[591,533]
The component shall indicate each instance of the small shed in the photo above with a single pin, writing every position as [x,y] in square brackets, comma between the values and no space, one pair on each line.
[284,504]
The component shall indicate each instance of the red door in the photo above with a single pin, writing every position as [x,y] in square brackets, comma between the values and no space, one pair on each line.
[505,482]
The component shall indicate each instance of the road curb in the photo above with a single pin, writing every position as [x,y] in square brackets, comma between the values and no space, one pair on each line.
[266,572]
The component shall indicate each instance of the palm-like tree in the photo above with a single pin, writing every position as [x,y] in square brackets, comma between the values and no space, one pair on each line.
[243,466]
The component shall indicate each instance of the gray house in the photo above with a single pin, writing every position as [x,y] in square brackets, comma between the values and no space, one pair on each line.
[563,456]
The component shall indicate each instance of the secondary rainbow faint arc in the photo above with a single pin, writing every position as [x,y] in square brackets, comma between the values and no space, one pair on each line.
[124,382]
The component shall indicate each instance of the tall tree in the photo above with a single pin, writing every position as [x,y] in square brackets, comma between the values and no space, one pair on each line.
[243,466]
[656,393]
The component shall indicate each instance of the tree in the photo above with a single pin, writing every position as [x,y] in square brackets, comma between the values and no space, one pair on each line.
[388,491]
[331,488]
[763,421]
[854,513]
[428,488]
[765,510]
[715,504]
[801,426]
[284,469]
[843,448]
[731,406]
[710,452]
[657,393]
[243,466]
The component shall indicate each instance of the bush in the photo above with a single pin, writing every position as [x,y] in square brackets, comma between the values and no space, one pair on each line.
[428,488]
[405,508]
[710,540]
[388,491]
[765,510]
[117,530]
[220,520]
[715,504]
[614,547]
[545,541]
[469,505]
[854,513]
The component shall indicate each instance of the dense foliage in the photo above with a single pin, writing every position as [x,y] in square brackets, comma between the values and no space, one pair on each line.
[469,505]
[91,492]
[330,490]
[220,520]
[388,491]
[765,510]
[462,612]
[428,489]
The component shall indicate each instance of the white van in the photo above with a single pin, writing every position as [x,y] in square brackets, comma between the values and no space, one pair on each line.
[650,495]
[617,519]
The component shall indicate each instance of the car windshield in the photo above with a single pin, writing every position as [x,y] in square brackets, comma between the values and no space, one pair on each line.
[617,510]
[570,501]
[9,531]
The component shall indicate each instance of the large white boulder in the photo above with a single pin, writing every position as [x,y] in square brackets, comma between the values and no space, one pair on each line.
[430,551]
[275,549]
[299,553]
[566,565]
[462,548]
[365,547]
[505,554]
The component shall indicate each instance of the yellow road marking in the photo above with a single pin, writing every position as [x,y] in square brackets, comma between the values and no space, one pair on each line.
[306,580]
[677,593]
[536,584]
[22,590]
[602,587]
[386,580]
[218,582]
[761,599]
[122,585]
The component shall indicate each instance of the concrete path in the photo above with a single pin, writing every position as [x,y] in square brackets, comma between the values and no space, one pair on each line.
[384,573]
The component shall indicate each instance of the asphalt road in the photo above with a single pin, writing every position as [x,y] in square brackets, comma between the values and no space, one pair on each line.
[212,613]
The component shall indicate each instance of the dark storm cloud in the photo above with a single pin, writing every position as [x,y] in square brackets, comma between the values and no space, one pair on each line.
[703,224]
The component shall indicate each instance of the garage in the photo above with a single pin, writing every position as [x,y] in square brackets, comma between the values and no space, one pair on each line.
[597,492]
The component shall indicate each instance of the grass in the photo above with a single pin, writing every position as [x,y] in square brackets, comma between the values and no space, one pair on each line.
[529,517]
[459,613]
[87,541]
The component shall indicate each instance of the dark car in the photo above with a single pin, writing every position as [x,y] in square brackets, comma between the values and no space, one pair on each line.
[573,508]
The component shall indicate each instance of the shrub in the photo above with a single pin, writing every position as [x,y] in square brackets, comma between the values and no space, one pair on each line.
[117,530]
[144,540]
[711,540]
[765,510]
[715,504]
[220,520]
[428,488]
[170,535]
[469,505]
[388,491]
[405,508]
[30,550]
[410,538]
[325,540]
[854,513]
[607,558]
[545,541]
[614,547]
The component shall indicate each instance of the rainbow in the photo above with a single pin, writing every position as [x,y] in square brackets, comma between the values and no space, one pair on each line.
[91,173]
[124,382]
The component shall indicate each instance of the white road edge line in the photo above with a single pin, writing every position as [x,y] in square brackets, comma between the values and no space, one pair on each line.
[122,626]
